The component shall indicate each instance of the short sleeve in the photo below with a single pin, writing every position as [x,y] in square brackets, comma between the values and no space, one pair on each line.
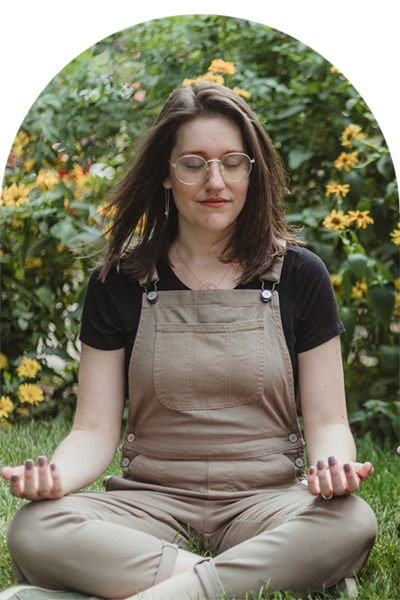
[102,324]
[317,317]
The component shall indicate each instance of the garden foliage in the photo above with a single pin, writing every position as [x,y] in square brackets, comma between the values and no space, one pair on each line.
[77,137]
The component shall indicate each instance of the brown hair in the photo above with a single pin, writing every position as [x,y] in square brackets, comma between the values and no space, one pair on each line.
[261,225]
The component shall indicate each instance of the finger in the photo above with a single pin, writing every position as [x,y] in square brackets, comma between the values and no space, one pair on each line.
[313,485]
[363,470]
[15,487]
[43,490]
[8,471]
[353,481]
[57,485]
[324,479]
[338,480]
[29,483]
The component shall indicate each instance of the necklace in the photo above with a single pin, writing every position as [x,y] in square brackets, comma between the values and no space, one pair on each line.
[204,286]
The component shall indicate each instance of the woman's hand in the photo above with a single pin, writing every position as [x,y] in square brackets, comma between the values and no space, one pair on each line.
[335,479]
[35,483]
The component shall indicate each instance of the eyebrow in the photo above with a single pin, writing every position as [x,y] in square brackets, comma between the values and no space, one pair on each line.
[202,153]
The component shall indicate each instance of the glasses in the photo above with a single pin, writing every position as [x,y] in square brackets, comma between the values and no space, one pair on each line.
[192,169]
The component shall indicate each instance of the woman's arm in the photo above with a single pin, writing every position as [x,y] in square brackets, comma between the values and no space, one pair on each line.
[90,447]
[328,438]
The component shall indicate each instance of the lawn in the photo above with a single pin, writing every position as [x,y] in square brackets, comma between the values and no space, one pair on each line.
[379,580]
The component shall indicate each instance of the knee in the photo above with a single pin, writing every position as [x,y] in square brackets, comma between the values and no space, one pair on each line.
[360,525]
[26,531]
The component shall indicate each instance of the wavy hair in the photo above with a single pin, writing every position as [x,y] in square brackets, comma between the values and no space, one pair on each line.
[138,198]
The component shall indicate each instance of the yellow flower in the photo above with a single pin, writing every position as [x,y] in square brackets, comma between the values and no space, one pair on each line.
[47,180]
[106,210]
[360,289]
[15,195]
[21,140]
[187,82]
[28,367]
[336,282]
[335,70]
[30,393]
[29,164]
[24,412]
[210,77]
[346,160]
[3,361]
[361,218]
[6,406]
[243,93]
[220,66]
[141,224]
[397,286]
[33,262]
[395,235]
[337,189]
[79,177]
[336,220]
[351,133]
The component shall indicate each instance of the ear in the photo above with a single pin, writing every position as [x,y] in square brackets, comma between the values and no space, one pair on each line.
[167,183]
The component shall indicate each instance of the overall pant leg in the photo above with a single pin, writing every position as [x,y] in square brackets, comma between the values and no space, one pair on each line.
[108,544]
[292,541]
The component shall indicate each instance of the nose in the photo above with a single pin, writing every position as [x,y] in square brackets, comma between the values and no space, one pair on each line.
[214,179]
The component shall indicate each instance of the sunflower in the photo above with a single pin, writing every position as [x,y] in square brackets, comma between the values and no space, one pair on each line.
[395,235]
[360,289]
[336,220]
[3,361]
[361,218]
[15,195]
[337,189]
[351,133]
[346,161]
[47,180]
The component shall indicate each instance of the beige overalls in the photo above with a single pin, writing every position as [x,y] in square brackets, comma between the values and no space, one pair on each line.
[213,452]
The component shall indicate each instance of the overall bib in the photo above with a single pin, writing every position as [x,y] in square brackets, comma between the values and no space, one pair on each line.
[212,452]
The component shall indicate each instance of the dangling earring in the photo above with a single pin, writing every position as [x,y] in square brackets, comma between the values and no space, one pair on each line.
[166,212]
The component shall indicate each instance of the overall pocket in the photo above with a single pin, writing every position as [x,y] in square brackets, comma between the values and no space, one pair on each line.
[209,365]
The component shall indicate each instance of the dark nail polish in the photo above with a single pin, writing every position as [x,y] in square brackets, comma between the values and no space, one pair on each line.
[332,461]
[52,466]
[29,464]
[14,478]
[311,470]
[41,461]
[320,464]
[347,467]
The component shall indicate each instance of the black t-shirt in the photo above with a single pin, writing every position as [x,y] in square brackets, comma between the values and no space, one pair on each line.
[309,313]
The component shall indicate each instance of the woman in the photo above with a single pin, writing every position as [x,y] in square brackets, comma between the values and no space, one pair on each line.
[211,321]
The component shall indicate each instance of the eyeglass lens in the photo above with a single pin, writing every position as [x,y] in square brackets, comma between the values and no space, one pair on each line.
[192,169]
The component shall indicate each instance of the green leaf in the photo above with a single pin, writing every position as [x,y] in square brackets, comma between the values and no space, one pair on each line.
[297,157]
[383,299]
[46,297]
[390,356]
[63,230]
[292,110]
[346,286]
[349,321]
[358,264]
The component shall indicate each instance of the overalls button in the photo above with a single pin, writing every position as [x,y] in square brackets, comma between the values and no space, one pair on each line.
[299,462]
[125,462]
[131,437]
[293,438]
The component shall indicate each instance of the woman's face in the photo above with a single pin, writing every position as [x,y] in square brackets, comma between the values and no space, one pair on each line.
[213,205]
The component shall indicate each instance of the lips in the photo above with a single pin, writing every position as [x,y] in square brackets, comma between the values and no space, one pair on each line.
[214,202]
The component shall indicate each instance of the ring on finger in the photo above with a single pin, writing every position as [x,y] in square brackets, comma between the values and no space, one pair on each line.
[327,497]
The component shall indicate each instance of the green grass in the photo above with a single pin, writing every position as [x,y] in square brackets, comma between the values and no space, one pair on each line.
[379,580]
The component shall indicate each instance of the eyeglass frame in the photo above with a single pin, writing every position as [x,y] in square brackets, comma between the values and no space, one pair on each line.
[252,161]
